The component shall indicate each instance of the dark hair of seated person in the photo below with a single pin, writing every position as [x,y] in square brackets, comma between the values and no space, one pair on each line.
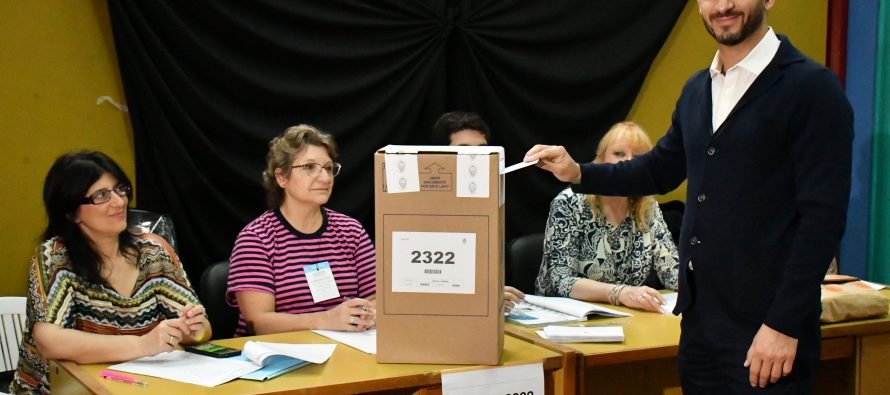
[455,121]
[64,190]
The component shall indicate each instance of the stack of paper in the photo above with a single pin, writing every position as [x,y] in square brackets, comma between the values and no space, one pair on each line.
[583,334]
[670,301]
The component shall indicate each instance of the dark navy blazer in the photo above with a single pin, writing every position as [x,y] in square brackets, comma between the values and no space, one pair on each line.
[767,192]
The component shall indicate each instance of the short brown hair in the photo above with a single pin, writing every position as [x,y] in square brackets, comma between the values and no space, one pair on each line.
[455,121]
[282,151]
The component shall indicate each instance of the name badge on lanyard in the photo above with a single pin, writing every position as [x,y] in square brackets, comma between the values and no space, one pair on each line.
[321,282]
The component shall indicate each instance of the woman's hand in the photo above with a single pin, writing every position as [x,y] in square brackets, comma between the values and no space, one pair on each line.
[193,317]
[643,298]
[353,315]
[373,307]
[512,296]
[164,337]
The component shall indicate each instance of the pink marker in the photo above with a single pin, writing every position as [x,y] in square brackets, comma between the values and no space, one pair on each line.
[107,374]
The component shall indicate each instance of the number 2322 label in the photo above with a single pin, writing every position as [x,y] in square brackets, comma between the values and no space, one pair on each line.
[434,262]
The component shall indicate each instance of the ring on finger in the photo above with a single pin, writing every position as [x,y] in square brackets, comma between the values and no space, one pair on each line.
[172,340]
[352,319]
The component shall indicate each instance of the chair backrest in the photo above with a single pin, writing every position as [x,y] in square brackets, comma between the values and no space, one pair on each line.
[143,221]
[222,317]
[524,255]
[672,212]
[12,328]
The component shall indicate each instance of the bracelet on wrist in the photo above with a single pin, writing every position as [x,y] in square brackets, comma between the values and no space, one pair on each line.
[615,293]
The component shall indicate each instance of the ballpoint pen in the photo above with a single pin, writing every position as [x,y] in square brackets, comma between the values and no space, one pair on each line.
[107,374]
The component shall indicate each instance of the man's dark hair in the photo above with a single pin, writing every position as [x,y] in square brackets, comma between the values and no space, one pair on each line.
[454,121]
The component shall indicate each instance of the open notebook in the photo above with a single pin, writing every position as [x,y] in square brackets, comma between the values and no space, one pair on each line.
[275,358]
[543,310]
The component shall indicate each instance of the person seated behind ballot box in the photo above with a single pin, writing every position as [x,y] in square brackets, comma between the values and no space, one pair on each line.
[300,265]
[469,129]
[603,248]
[96,292]
[462,128]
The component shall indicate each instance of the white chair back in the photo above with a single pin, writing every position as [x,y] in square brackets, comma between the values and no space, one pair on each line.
[12,329]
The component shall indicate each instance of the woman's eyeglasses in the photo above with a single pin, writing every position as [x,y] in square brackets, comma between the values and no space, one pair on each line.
[103,195]
[314,169]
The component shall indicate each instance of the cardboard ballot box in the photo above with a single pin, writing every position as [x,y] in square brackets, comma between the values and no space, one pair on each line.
[440,254]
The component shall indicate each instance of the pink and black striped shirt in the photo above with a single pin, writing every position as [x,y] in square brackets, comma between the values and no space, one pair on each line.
[269,256]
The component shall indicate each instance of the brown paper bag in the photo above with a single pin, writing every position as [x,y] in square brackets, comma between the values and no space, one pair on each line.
[850,301]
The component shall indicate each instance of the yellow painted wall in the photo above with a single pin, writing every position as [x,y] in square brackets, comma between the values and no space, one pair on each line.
[690,48]
[58,57]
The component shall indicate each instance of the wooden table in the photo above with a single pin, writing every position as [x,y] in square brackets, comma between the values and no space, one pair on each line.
[348,371]
[852,360]
[856,352]
[645,363]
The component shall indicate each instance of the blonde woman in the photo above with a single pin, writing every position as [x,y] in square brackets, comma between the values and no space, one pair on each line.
[603,248]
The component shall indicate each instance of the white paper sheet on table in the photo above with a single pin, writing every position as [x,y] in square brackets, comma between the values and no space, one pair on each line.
[188,367]
[363,341]
[178,365]
[670,301]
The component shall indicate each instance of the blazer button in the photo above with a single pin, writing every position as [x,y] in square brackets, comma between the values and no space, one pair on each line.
[694,241]
[712,151]
[689,264]
[701,197]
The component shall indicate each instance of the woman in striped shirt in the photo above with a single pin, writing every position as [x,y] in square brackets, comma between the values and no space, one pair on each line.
[96,292]
[300,265]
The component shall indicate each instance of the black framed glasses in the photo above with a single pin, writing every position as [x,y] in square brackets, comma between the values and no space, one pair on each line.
[314,169]
[103,195]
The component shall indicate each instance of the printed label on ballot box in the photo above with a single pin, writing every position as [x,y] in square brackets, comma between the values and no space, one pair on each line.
[434,262]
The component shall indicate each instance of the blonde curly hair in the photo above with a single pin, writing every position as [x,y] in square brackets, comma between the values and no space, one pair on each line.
[284,149]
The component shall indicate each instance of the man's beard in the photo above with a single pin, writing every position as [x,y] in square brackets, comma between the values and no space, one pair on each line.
[748,28]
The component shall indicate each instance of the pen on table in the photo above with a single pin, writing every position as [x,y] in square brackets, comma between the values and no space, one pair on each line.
[107,374]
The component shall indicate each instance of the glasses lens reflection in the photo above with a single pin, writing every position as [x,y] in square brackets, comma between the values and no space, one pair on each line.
[103,195]
[314,169]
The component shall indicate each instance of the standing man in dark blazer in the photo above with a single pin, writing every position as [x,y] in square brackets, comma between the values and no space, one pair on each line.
[764,137]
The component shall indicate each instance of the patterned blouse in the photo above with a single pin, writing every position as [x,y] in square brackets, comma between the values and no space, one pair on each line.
[579,244]
[56,295]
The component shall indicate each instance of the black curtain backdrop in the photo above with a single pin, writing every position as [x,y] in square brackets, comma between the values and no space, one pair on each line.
[210,82]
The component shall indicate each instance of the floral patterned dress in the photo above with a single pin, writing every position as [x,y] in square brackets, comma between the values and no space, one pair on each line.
[581,244]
